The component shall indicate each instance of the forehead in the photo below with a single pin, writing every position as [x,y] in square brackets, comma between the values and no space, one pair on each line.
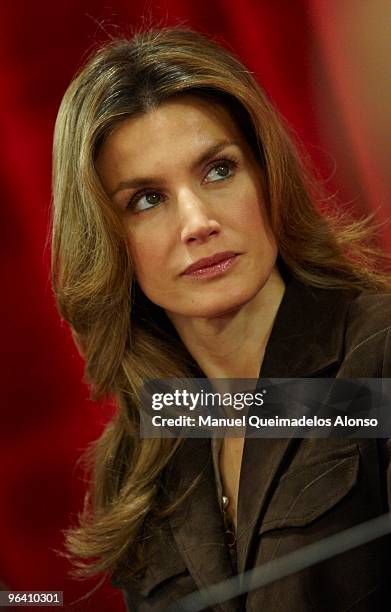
[169,134]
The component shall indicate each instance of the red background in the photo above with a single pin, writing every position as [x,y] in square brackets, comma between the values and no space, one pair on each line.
[309,57]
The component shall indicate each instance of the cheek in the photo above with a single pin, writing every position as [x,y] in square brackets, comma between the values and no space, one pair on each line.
[249,214]
[146,254]
[141,249]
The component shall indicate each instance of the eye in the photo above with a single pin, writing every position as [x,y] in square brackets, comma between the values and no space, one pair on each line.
[220,170]
[145,200]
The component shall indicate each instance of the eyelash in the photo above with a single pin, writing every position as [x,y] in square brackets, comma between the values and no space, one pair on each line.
[231,162]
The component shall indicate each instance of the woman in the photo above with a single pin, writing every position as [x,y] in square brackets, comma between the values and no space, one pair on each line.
[187,242]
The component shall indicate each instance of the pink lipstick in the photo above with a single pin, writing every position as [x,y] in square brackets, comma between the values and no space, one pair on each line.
[215,265]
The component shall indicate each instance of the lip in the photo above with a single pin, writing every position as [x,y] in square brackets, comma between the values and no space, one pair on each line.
[202,266]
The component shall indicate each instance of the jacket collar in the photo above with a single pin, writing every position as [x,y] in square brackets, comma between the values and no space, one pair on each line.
[308,332]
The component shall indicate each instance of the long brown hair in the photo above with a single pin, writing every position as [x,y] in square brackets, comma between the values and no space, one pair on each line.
[124,338]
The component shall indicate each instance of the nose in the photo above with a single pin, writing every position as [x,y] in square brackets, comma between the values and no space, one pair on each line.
[196,218]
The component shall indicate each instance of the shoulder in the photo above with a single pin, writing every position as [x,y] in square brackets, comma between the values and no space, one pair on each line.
[368,335]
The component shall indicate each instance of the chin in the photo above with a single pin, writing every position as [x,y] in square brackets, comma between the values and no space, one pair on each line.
[219,307]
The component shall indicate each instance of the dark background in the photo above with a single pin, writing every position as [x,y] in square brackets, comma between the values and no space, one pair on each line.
[325,64]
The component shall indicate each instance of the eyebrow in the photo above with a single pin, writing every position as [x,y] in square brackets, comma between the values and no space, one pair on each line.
[145,181]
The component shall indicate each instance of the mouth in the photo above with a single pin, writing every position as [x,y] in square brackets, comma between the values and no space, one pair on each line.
[212,266]
[207,262]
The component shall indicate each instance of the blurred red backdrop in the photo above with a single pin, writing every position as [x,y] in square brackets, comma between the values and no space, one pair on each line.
[324,65]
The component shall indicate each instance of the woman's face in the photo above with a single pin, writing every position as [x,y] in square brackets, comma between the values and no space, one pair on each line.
[188,187]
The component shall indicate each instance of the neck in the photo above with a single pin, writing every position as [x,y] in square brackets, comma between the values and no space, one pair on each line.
[233,345]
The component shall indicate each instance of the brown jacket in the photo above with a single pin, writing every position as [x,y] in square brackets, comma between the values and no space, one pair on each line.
[329,484]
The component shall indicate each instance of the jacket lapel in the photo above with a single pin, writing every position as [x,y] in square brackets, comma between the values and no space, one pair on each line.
[298,347]
[197,526]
